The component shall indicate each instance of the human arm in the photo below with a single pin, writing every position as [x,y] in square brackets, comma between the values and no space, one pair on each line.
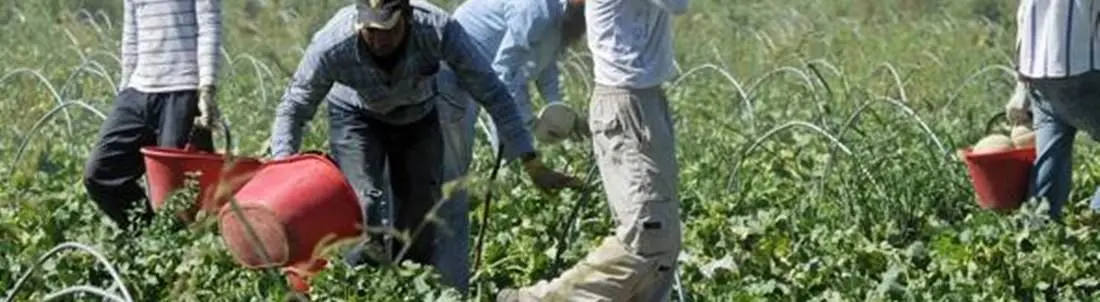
[208,20]
[309,85]
[208,23]
[514,61]
[549,84]
[475,75]
[129,43]
[1018,107]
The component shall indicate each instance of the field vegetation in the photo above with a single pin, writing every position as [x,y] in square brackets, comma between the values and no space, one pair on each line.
[817,141]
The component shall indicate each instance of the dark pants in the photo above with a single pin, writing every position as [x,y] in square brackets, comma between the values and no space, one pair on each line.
[137,120]
[363,146]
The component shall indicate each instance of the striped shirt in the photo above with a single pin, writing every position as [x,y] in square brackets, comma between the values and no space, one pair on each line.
[170,45]
[631,41]
[338,66]
[1056,38]
[523,40]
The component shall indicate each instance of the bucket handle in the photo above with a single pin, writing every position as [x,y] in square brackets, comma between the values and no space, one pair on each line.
[992,122]
[226,134]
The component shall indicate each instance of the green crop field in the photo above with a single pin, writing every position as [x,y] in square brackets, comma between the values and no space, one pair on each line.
[817,145]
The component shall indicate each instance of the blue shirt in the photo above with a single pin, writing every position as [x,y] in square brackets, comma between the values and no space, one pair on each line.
[524,40]
[335,65]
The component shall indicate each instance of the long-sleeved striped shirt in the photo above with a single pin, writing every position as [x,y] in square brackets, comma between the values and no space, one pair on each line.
[337,62]
[523,40]
[631,40]
[1057,38]
[170,45]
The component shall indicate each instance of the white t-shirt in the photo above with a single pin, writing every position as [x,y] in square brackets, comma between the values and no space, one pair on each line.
[631,41]
[1057,38]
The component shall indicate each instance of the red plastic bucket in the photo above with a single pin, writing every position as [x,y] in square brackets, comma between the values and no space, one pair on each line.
[297,206]
[1000,179]
[298,275]
[166,169]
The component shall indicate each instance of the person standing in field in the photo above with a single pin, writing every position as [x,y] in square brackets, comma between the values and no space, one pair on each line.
[170,60]
[1059,85]
[524,40]
[635,148]
[375,64]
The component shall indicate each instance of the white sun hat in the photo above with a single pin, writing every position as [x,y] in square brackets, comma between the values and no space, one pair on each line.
[556,122]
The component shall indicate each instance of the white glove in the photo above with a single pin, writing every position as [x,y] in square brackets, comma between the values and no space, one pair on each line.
[1018,108]
[208,108]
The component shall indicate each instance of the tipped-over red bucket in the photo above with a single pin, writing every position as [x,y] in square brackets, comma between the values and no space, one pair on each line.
[297,206]
[1000,179]
[166,169]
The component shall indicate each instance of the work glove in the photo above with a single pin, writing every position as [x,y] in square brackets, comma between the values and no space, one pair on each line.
[208,108]
[548,180]
[1018,108]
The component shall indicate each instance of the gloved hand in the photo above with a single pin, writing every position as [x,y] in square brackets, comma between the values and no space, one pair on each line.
[548,180]
[208,108]
[1018,108]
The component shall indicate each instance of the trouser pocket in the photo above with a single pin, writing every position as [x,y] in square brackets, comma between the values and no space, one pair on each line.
[635,151]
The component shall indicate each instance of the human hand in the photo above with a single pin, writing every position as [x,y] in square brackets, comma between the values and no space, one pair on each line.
[208,108]
[548,180]
[1017,110]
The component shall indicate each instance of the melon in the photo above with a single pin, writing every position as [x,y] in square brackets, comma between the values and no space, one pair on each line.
[555,123]
[992,144]
[1023,137]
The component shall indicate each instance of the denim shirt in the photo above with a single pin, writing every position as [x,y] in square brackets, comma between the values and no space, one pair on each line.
[524,40]
[335,66]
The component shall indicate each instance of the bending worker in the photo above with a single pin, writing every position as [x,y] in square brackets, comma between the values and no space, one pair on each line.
[1059,85]
[379,60]
[169,74]
[525,39]
[635,149]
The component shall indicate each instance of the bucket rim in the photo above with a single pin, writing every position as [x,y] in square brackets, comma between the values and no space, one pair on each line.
[177,153]
[227,209]
[969,154]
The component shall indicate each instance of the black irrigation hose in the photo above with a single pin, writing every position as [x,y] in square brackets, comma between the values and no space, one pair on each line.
[488,203]
[560,242]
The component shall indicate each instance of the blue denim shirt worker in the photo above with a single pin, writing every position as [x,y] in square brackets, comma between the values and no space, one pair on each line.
[335,62]
[524,40]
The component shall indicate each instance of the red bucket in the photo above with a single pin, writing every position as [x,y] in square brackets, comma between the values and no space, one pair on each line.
[297,206]
[298,276]
[1000,179]
[165,169]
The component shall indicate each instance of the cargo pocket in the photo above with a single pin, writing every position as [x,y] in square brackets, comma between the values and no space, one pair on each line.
[657,228]
[643,191]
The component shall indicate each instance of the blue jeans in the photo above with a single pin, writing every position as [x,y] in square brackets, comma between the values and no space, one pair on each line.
[364,148]
[458,116]
[1059,109]
[457,119]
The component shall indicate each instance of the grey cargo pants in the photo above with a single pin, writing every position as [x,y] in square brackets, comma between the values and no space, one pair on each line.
[634,138]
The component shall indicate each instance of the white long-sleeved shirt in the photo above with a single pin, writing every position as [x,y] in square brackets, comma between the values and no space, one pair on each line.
[1057,38]
[631,41]
[170,45]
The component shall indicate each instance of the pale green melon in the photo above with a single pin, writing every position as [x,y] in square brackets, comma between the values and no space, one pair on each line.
[992,144]
[1023,137]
